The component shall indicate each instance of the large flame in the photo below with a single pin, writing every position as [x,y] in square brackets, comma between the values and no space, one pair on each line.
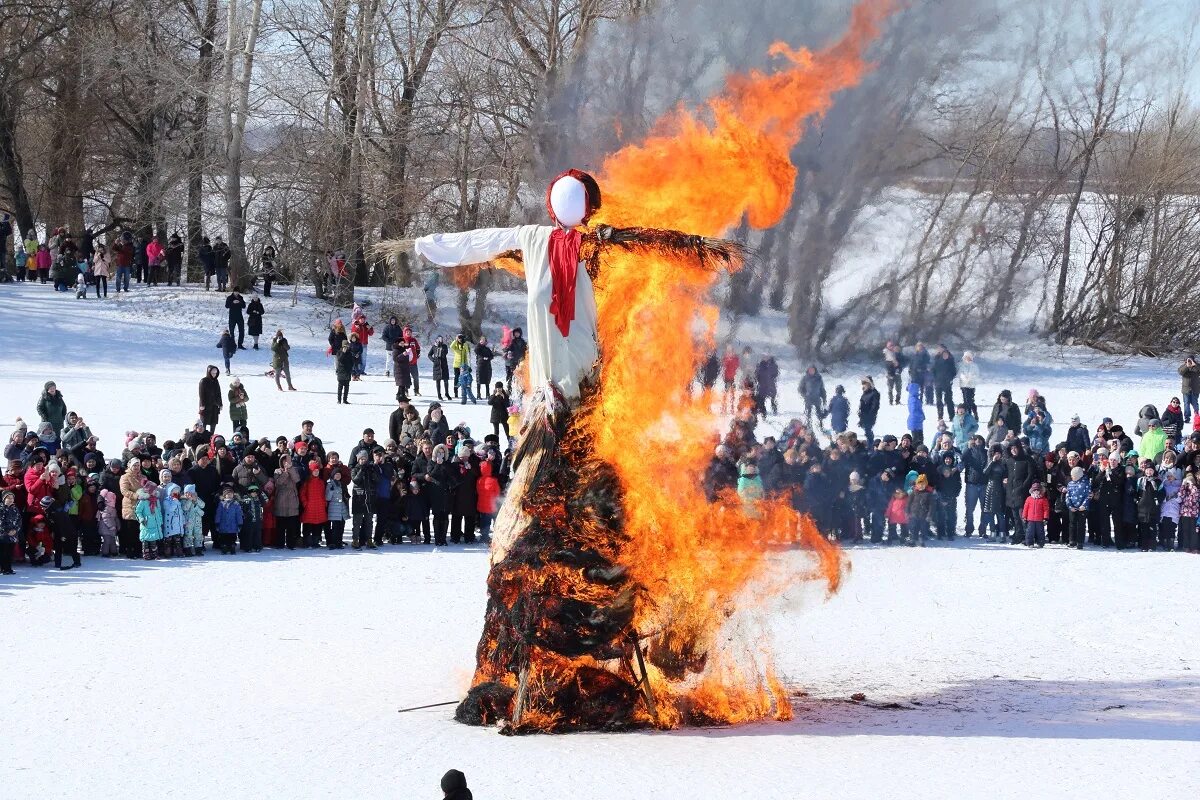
[701,172]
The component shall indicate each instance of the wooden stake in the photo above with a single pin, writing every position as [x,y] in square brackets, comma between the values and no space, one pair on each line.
[643,681]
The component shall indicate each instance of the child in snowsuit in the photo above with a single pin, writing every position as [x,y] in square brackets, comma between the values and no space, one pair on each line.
[1035,512]
[1169,523]
[920,509]
[949,486]
[228,522]
[916,414]
[172,515]
[466,382]
[335,509]
[150,522]
[193,521]
[879,492]
[39,544]
[252,519]
[416,509]
[1079,498]
[897,516]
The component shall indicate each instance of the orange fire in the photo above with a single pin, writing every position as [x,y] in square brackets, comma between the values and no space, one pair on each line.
[701,173]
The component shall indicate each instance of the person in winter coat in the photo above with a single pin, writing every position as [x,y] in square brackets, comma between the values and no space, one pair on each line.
[1007,410]
[287,501]
[222,255]
[228,347]
[484,355]
[344,366]
[51,407]
[363,330]
[916,414]
[513,353]
[1020,474]
[994,500]
[766,380]
[948,486]
[812,391]
[11,524]
[391,334]
[1189,374]
[1154,440]
[337,337]
[101,269]
[964,426]
[839,410]
[1172,419]
[499,402]
[172,520]
[460,356]
[466,381]
[236,305]
[314,513]
[942,373]
[1189,510]
[336,509]
[439,355]
[254,315]
[968,380]
[1034,513]
[436,484]
[239,415]
[211,400]
[1037,428]
[414,355]
[1145,416]
[868,410]
[365,479]
[1078,439]
[193,521]
[1149,508]
[228,522]
[974,463]
[487,492]
[1171,507]
[281,361]
[149,519]
[107,521]
[920,510]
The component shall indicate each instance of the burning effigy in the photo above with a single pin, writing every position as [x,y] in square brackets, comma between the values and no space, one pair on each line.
[612,584]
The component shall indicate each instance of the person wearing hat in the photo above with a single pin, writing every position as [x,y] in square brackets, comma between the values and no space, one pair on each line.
[1149,508]
[1079,500]
[1172,419]
[1108,491]
[868,410]
[222,255]
[1034,513]
[920,510]
[228,522]
[253,512]
[1078,438]
[1189,374]
[1153,440]
[311,439]
[439,355]
[239,415]
[11,523]
[454,786]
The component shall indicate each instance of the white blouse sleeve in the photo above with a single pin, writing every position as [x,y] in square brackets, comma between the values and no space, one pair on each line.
[468,247]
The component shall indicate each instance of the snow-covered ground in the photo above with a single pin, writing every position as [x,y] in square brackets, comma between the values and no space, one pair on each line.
[989,671]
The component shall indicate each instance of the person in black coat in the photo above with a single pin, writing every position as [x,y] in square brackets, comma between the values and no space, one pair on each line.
[255,312]
[1020,474]
[236,304]
[499,402]
[438,354]
[918,371]
[344,363]
[454,786]
[464,498]
[174,254]
[943,371]
[720,475]
[436,482]
[868,410]
[766,380]
[211,399]
[1007,410]
[267,262]
[484,354]
[974,462]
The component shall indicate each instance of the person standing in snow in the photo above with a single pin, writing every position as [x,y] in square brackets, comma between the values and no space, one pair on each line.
[942,374]
[1189,373]
[236,304]
[281,361]
[345,363]
[222,255]
[174,259]
[868,410]
[414,347]
[839,410]
[918,371]
[483,366]
[364,331]
[267,267]
[514,353]
[812,390]
[439,355]
[390,335]
[766,378]
[228,348]
[51,406]
[210,397]
[255,312]
[238,414]
[916,414]
[208,261]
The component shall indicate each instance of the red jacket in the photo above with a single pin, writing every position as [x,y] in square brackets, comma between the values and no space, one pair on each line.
[412,342]
[1037,509]
[363,329]
[729,367]
[41,537]
[487,488]
[312,501]
[36,487]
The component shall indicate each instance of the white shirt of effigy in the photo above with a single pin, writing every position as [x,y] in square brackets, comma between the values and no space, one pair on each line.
[553,358]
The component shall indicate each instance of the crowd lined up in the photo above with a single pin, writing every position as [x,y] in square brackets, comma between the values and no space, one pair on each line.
[428,483]
[1011,479]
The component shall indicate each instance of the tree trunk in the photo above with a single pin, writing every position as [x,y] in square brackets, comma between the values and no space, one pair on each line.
[197,158]
[235,130]
[11,173]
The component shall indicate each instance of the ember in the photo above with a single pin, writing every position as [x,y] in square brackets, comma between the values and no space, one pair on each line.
[610,585]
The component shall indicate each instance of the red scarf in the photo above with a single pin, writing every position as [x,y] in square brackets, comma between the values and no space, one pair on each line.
[564,269]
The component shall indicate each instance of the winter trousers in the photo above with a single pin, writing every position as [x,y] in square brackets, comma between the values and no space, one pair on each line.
[462,527]
[1057,526]
[997,521]
[1078,524]
[1166,534]
[896,533]
[284,371]
[1018,533]
[101,280]
[65,544]
[149,550]
[127,537]
[439,383]
[920,531]
[893,388]
[1147,533]
[6,555]
[1191,406]
[312,534]
[343,391]
[414,376]
[968,393]
[1035,533]
[485,526]
[440,521]
[944,396]
[363,523]
[496,426]
[194,539]
[974,496]
[288,530]
[227,542]
[335,534]
[122,279]
[108,541]
[1187,534]
[252,539]
[89,538]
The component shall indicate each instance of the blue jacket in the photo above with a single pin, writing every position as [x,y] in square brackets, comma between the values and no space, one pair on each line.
[1079,493]
[1039,435]
[839,413]
[229,517]
[916,412]
[964,427]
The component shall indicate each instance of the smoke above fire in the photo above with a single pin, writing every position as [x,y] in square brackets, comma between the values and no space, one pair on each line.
[703,170]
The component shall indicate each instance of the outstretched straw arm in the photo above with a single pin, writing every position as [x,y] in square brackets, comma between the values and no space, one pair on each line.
[508,259]
[709,252]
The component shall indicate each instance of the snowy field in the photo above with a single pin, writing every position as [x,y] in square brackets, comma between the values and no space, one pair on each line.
[989,671]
